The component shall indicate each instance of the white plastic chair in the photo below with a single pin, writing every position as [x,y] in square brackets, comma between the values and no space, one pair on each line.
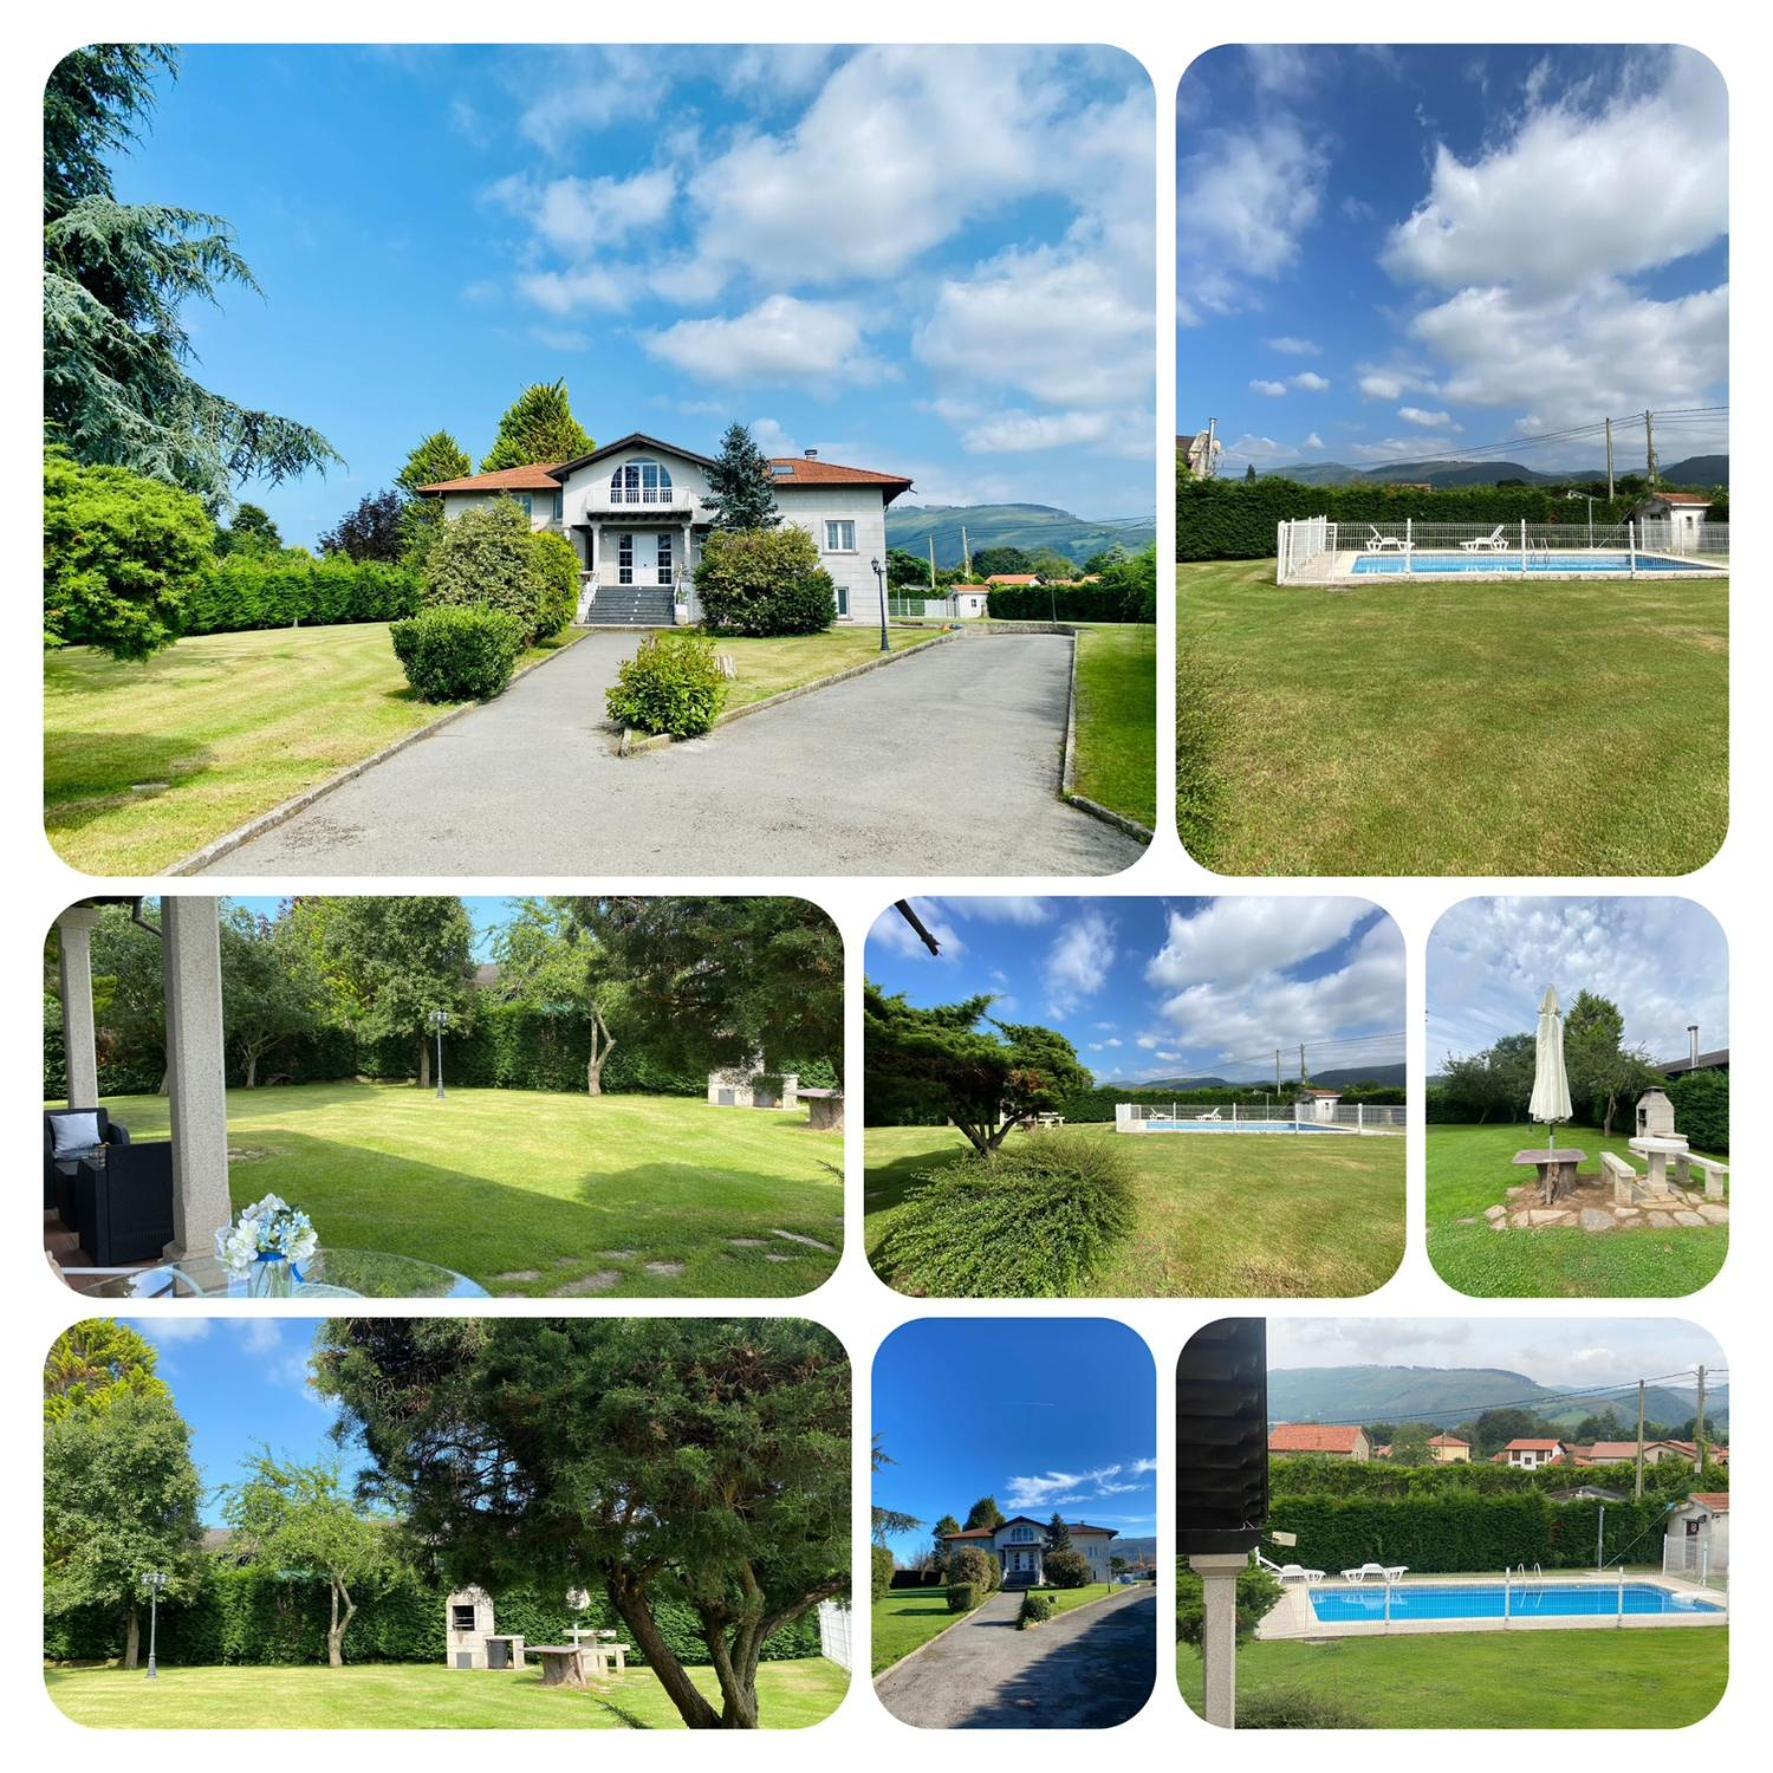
[1383,544]
[1494,543]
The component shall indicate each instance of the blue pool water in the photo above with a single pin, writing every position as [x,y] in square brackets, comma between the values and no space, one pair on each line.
[1348,1606]
[1231,1126]
[1422,564]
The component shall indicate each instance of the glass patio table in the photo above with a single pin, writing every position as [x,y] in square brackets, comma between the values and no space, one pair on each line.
[327,1274]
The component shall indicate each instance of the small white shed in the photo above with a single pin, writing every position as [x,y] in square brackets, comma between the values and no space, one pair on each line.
[1696,1540]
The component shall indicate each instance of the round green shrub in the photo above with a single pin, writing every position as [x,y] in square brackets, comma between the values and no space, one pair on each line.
[881,1570]
[458,655]
[1067,1569]
[557,567]
[1037,1609]
[963,1597]
[764,581]
[487,559]
[1032,1222]
[970,1567]
[1258,1593]
[671,685]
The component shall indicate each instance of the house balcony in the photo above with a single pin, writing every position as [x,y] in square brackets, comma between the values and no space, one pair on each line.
[644,502]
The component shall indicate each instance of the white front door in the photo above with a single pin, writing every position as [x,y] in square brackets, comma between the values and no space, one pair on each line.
[637,557]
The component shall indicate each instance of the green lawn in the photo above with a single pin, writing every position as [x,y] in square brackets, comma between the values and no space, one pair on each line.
[902,1619]
[1064,1599]
[1221,1216]
[1469,1169]
[1650,1679]
[500,1184]
[1117,719]
[384,1696]
[768,667]
[1413,728]
[142,764]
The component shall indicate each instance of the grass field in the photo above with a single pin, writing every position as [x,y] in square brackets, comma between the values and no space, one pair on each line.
[220,727]
[377,1696]
[1563,728]
[1567,1680]
[902,1619]
[1219,1217]
[768,667]
[1469,1169]
[503,1184]
[1117,719]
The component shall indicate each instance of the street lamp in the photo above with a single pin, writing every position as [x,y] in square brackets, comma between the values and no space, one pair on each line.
[439,1020]
[154,1581]
[886,646]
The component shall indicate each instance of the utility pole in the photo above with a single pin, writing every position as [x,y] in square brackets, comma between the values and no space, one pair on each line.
[1303,1079]
[1637,1488]
[1699,1429]
[932,560]
[1650,445]
[1609,461]
[966,553]
[1277,1076]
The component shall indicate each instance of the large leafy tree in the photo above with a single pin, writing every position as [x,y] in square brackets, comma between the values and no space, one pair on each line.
[120,1498]
[714,983]
[538,427]
[984,1513]
[388,962]
[271,990]
[250,533]
[117,383]
[96,1363]
[373,529]
[291,1519]
[691,1460]
[1603,1069]
[550,959]
[744,493]
[955,1061]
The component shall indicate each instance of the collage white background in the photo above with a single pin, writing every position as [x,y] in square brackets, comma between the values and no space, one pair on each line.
[35,885]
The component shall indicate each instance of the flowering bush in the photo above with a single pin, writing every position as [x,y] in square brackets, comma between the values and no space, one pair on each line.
[270,1230]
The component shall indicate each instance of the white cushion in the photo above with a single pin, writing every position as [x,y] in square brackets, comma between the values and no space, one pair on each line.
[75,1134]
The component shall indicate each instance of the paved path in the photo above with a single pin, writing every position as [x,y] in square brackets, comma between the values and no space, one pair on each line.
[947,763]
[1084,1670]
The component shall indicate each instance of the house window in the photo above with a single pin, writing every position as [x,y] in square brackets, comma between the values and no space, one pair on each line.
[525,504]
[640,483]
[840,535]
[665,567]
[625,559]
[843,600]
[557,508]
[1022,1534]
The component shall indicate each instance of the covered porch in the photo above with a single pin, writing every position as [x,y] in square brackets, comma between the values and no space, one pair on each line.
[194,1206]
[640,559]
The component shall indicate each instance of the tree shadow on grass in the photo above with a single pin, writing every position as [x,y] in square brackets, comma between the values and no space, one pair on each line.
[88,774]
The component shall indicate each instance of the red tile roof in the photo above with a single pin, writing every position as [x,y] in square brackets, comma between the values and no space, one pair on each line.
[1447,1440]
[1681,498]
[1533,1446]
[1013,579]
[1718,1501]
[810,471]
[1312,1437]
[531,477]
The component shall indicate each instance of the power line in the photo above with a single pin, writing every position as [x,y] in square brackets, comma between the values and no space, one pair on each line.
[1528,1403]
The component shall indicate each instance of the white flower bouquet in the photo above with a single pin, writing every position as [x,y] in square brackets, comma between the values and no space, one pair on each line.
[269,1234]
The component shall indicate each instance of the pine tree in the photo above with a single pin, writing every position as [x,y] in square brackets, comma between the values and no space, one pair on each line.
[744,497]
[439,457]
[1058,1534]
[538,427]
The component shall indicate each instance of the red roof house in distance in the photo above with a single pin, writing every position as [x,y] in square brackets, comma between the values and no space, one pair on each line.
[1326,1440]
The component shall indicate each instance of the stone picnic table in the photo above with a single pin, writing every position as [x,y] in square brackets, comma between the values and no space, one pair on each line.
[563,1665]
[1556,1167]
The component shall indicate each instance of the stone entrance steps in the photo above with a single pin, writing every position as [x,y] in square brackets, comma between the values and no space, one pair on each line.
[631,606]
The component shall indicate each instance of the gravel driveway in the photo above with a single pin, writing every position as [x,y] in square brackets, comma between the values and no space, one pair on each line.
[947,763]
[1084,1670]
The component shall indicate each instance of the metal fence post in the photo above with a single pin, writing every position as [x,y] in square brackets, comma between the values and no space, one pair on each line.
[1507,1597]
[1523,547]
[1409,546]
[1631,543]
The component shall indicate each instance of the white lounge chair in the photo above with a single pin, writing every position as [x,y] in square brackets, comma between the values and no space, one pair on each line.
[1383,544]
[1361,1572]
[1211,1114]
[1396,1572]
[1290,1572]
[1494,543]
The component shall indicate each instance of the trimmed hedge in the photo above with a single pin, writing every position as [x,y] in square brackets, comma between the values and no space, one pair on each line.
[240,1617]
[1094,1105]
[963,1597]
[1071,603]
[881,1571]
[1702,1109]
[242,592]
[458,654]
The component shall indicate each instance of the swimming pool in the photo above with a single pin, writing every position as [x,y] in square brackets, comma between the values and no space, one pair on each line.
[1234,1126]
[1495,1600]
[1497,565]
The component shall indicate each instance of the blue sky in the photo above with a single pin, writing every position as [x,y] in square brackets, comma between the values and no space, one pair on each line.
[1389,254]
[1153,988]
[936,262]
[242,1383]
[1045,1414]
[1663,961]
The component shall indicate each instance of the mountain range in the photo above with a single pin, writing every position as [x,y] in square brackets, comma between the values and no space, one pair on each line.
[1324,1080]
[1448,1396]
[1697,473]
[1012,526]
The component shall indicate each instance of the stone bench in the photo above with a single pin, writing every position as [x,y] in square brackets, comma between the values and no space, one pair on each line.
[1714,1174]
[1623,1177]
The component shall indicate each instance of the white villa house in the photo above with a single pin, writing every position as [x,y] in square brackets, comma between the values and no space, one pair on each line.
[637,511]
[1020,1545]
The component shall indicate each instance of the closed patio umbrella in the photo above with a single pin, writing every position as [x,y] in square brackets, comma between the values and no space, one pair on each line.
[1551,1082]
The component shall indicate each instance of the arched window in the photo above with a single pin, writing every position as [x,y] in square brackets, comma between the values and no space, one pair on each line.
[640,483]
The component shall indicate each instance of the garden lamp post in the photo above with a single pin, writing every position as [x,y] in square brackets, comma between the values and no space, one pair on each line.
[886,646]
[154,1582]
[439,1020]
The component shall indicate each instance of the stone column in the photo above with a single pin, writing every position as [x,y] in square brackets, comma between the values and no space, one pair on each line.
[196,1073]
[79,1039]
[1219,1571]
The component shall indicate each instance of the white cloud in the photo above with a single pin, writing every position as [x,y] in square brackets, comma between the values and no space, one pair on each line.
[581,88]
[1274,390]
[1313,442]
[572,291]
[1077,965]
[1311,382]
[769,437]
[583,217]
[1004,908]
[1233,940]
[177,1329]
[782,339]
[1291,347]
[896,936]
[1416,415]
[1051,1489]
